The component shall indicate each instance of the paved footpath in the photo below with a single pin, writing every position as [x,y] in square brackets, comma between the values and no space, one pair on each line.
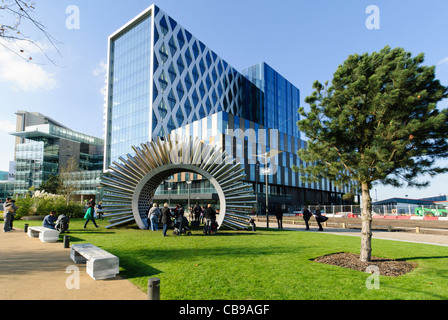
[33,270]
[433,239]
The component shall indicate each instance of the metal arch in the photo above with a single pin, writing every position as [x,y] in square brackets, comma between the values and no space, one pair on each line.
[130,185]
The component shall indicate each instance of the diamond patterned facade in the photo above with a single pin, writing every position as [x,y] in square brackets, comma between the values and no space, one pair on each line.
[161,79]
[188,82]
[192,82]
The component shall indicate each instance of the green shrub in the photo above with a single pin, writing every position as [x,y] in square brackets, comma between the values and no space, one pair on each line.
[25,206]
[42,205]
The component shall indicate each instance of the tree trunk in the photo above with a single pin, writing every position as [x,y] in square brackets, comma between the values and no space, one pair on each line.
[366,232]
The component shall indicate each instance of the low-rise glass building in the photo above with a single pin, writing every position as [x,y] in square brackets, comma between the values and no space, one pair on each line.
[44,146]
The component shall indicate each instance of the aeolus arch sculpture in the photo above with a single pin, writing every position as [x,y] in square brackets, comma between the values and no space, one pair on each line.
[130,186]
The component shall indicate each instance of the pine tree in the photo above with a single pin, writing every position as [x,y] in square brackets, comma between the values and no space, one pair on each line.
[378,121]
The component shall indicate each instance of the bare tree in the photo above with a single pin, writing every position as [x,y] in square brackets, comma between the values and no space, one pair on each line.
[14,14]
[68,178]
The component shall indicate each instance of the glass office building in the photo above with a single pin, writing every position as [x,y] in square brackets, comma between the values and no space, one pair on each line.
[161,77]
[163,80]
[43,146]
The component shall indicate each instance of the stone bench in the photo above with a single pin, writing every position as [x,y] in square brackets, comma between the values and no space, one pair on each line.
[44,234]
[100,263]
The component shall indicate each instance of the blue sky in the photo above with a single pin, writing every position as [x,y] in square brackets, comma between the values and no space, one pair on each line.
[302,40]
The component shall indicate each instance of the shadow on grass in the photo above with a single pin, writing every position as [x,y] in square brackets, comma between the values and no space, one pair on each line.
[131,268]
[423,258]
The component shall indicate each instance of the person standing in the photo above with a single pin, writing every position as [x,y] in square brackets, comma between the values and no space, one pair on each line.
[210,217]
[100,210]
[197,212]
[252,223]
[89,216]
[9,213]
[307,216]
[154,214]
[166,218]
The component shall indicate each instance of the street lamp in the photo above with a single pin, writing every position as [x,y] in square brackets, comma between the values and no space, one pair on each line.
[169,191]
[189,186]
[266,156]
[169,197]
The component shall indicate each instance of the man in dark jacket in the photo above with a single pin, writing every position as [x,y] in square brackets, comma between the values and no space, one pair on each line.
[279,216]
[307,216]
[210,217]
[319,219]
[166,218]
[197,212]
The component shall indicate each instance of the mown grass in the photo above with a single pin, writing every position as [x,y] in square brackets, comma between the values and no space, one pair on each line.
[263,265]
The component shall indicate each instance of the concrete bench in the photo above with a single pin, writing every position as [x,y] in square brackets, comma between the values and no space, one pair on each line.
[100,263]
[44,234]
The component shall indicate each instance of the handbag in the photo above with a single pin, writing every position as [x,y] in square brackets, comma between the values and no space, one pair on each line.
[322,219]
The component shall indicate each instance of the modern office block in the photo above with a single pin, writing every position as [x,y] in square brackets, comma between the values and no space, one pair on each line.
[44,146]
[161,77]
[163,80]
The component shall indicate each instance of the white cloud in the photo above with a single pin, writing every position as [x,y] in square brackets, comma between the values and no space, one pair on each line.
[100,72]
[443,61]
[8,142]
[22,75]
[7,126]
[100,69]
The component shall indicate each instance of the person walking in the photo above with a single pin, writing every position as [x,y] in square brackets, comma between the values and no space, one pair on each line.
[89,216]
[166,218]
[307,216]
[154,214]
[279,216]
[319,218]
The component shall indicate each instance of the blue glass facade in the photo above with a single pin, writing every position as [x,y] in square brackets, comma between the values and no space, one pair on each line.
[244,140]
[129,85]
[281,98]
[162,80]
[161,77]
[47,147]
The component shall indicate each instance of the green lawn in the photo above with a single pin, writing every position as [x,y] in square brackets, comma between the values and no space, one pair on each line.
[262,265]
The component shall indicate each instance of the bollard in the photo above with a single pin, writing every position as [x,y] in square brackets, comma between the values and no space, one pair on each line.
[154,289]
[66,242]
[389,228]
[25,229]
[417,230]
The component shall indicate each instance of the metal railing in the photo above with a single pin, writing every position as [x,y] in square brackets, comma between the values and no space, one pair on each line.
[385,210]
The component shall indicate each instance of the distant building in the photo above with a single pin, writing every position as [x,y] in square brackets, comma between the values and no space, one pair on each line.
[408,206]
[43,146]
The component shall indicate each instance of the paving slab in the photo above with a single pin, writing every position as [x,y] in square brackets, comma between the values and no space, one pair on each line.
[33,270]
